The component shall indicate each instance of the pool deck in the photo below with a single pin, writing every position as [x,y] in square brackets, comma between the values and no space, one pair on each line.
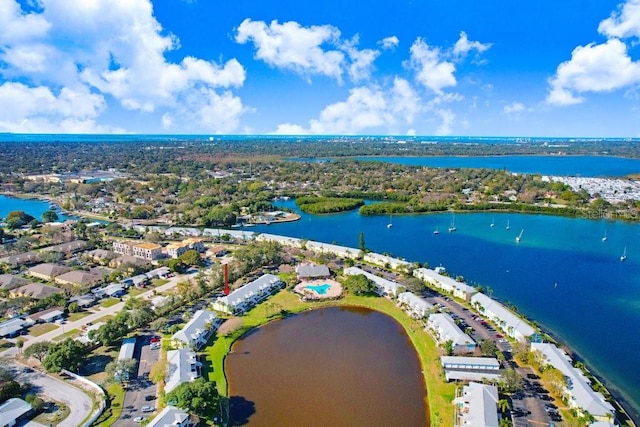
[334,291]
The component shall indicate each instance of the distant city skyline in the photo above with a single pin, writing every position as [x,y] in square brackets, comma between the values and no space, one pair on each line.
[556,69]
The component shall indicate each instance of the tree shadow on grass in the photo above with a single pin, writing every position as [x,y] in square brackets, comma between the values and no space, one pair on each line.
[240,410]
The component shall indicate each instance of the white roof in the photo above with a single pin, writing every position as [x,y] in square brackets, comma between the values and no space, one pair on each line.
[415,301]
[483,405]
[386,285]
[578,385]
[469,362]
[334,249]
[179,363]
[13,409]
[504,314]
[312,270]
[445,281]
[51,315]
[170,416]
[384,259]
[127,349]
[266,281]
[195,327]
[462,375]
[449,329]
[11,326]
[284,240]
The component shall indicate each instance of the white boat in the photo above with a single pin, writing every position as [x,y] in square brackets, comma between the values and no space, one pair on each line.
[604,238]
[624,254]
[452,227]
[390,223]
[436,230]
[493,223]
[520,236]
[508,226]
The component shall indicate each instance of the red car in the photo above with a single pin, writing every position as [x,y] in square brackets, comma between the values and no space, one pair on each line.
[499,336]
[155,339]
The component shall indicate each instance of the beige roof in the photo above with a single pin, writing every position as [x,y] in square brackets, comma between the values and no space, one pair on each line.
[36,290]
[48,269]
[78,277]
[102,254]
[9,281]
[130,259]
[147,245]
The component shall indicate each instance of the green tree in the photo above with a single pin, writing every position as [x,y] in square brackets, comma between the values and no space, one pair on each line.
[17,219]
[49,216]
[113,330]
[68,354]
[74,307]
[488,348]
[503,405]
[191,258]
[361,243]
[448,347]
[38,350]
[20,344]
[199,397]
[121,370]
[359,285]
[510,381]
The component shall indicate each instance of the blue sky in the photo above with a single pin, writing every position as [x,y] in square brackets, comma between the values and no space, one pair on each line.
[425,67]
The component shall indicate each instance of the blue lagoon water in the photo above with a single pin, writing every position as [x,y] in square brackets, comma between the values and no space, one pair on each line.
[586,166]
[561,274]
[33,207]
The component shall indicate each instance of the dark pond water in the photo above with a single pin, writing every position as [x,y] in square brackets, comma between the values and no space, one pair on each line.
[335,366]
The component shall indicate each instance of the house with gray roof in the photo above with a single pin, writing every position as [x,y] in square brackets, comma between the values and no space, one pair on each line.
[12,327]
[578,391]
[68,247]
[9,281]
[462,368]
[84,301]
[13,410]
[196,332]
[47,271]
[247,296]
[312,271]
[505,319]
[103,256]
[476,406]
[171,416]
[182,366]
[45,316]
[79,278]
[17,260]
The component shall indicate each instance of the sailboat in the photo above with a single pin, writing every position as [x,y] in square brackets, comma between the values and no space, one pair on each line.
[390,223]
[624,254]
[604,238]
[452,227]
[519,236]
[508,226]
[436,230]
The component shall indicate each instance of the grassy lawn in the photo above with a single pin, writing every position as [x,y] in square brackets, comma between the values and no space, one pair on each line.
[53,413]
[77,316]
[4,344]
[115,399]
[109,302]
[41,328]
[69,334]
[439,393]
[159,282]
[134,292]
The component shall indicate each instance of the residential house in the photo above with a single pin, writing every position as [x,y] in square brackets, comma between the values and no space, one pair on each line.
[9,281]
[477,406]
[447,284]
[102,256]
[127,350]
[144,250]
[12,327]
[67,248]
[84,301]
[47,271]
[387,288]
[445,329]
[196,332]
[217,251]
[14,410]
[175,249]
[339,251]
[129,260]
[35,291]
[182,366]
[18,260]
[113,290]
[312,272]
[46,316]
[461,368]
[292,242]
[79,278]
[248,295]
[385,261]
[505,319]
[414,305]
[172,416]
[578,391]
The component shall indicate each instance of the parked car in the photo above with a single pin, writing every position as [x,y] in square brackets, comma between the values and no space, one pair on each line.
[139,419]
[149,397]
[147,409]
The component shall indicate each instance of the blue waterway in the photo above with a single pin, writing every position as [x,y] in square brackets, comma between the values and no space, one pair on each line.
[587,166]
[561,274]
[33,207]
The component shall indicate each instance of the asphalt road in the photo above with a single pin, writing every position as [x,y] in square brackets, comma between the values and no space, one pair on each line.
[79,404]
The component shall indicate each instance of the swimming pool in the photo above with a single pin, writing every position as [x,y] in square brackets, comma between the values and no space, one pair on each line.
[319,289]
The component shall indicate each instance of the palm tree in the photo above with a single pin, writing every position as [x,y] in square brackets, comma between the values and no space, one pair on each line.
[503,405]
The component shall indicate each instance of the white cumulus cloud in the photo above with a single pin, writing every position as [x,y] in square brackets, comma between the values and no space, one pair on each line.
[513,108]
[433,71]
[625,22]
[463,46]
[115,49]
[593,68]
[389,42]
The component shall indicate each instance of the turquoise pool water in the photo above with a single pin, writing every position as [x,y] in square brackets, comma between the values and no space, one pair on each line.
[319,289]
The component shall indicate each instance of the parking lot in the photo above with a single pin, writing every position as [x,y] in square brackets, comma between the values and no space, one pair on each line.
[140,398]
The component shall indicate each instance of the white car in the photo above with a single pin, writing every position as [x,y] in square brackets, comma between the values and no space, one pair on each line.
[147,409]
[139,419]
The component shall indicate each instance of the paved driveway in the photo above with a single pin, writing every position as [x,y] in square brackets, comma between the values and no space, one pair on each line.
[79,404]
